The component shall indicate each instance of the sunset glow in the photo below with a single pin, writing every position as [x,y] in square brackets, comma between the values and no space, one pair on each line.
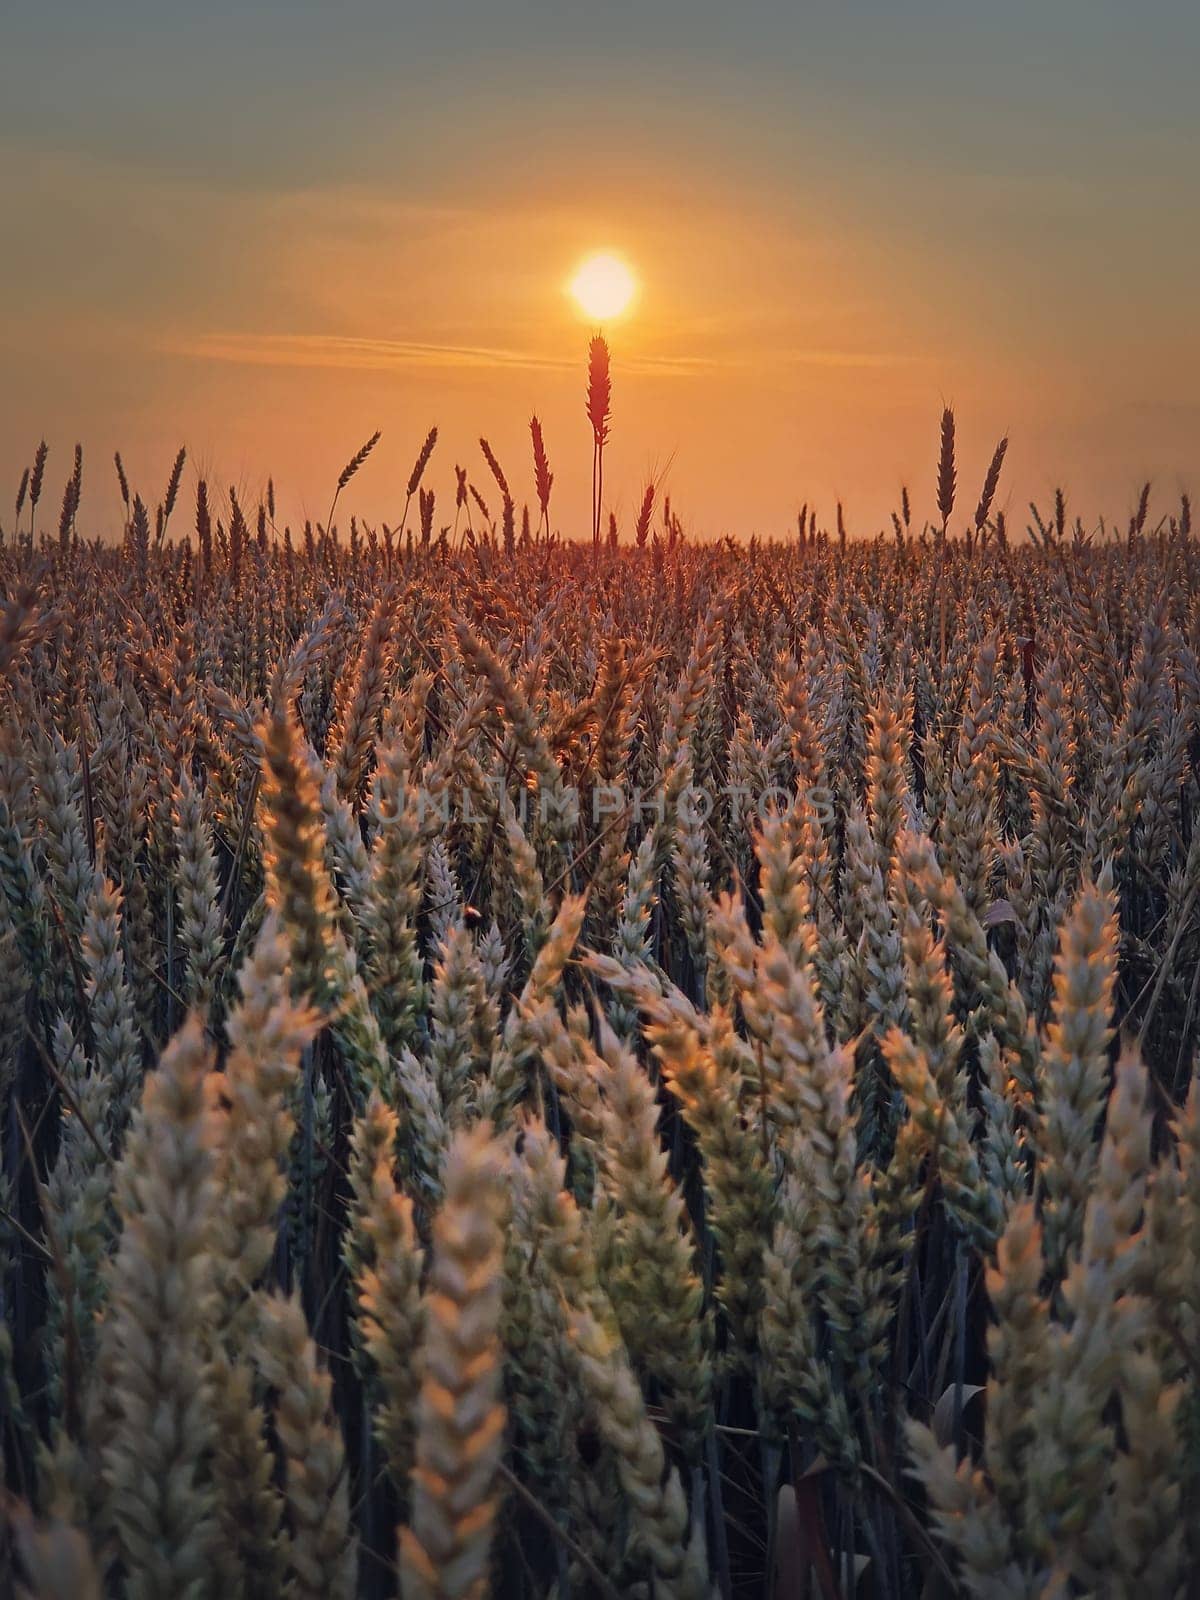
[267,279]
[603,286]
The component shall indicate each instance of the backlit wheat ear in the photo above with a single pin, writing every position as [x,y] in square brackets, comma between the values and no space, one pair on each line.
[489,456]
[982,980]
[1074,1069]
[18,626]
[945,472]
[658,1506]
[1017,1349]
[464,1024]
[386,1262]
[161,1300]
[256,1094]
[641,530]
[543,477]
[203,527]
[392,897]
[1069,1456]
[172,493]
[122,480]
[965,1513]
[737,1176]
[422,461]
[118,1049]
[22,490]
[356,460]
[534,1034]
[887,775]
[348,472]
[298,886]
[444,1549]
[70,502]
[353,740]
[319,1549]
[251,1556]
[300,890]
[991,483]
[36,479]
[417,473]
[599,412]
[559,802]
[60,809]
[199,898]
[795,1374]
[946,1127]
[656,1292]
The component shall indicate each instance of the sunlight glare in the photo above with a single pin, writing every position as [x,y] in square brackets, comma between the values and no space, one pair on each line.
[603,286]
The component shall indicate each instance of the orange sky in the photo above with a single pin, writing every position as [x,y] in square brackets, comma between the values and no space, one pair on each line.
[267,277]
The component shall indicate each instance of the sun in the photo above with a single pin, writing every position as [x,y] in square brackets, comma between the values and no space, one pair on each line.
[603,286]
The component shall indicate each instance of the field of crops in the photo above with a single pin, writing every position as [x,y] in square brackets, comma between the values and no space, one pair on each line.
[648,1071]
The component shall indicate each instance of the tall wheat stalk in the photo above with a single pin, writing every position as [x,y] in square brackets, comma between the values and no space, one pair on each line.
[599,407]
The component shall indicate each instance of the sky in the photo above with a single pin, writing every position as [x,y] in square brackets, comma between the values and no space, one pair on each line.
[264,231]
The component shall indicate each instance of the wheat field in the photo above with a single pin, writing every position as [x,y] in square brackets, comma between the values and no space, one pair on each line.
[644,1069]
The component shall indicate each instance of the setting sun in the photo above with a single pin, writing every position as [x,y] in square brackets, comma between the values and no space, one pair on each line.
[603,286]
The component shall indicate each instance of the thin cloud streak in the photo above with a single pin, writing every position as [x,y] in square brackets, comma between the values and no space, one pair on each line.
[352,354]
[346,353]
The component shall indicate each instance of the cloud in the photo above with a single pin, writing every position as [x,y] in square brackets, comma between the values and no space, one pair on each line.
[348,353]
